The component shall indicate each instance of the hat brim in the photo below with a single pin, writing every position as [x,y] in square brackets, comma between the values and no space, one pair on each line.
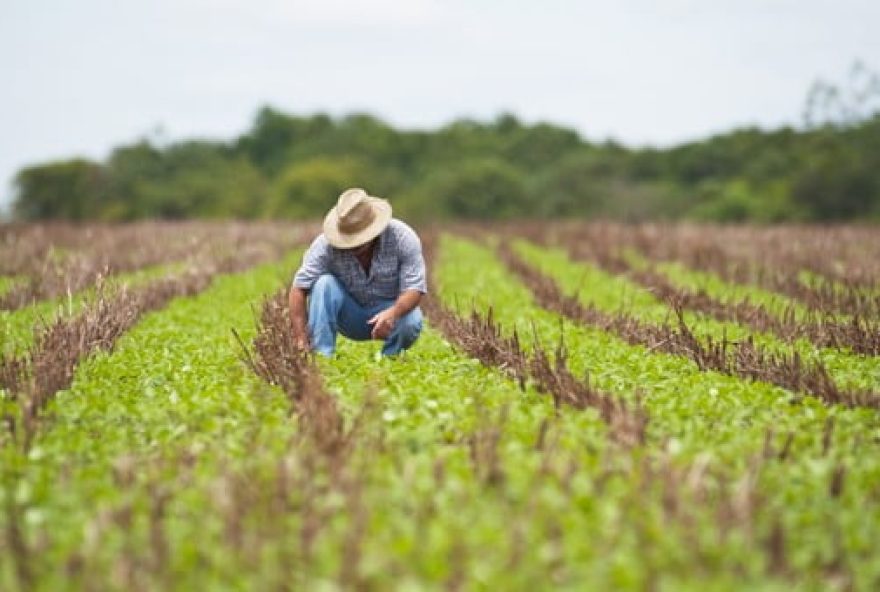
[382,211]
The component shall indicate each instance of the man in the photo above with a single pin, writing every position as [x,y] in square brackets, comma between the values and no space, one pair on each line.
[364,277]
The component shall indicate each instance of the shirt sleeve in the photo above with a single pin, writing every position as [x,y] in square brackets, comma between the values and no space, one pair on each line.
[315,264]
[412,264]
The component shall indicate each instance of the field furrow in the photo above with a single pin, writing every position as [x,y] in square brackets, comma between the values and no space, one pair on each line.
[172,386]
[614,368]
[696,412]
[439,467]
[19,327]
[686,288]
[749,304]
[828,271]
[190,445]
[31,379]
[65,260]
[830,374]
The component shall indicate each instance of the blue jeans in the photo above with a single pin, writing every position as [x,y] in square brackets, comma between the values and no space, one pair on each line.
[332,310]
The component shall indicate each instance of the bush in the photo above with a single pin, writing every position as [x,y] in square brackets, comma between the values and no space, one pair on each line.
[480,189]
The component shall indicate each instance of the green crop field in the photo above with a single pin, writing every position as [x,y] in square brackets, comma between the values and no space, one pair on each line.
[590,406]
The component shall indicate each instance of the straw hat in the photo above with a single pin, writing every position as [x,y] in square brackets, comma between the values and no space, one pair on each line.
[356,219]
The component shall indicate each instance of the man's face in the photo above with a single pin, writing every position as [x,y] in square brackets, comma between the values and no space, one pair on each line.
[362,249]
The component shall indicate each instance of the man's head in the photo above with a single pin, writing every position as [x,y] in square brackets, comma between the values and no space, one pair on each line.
[356,219]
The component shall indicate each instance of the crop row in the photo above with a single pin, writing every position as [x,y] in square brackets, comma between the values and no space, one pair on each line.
[19,327]
[707,293]
[703,412]
[722,507]
[169,392]
[724,347]
[53,261]
[159,481]
[169,464]
[318,498]
[858,334]
[731,302]
[26,249]
[828,270]
[802,329]
[228,249]
[847,255]
[49,365]
[31,379]
[493,285]
[476,481]
[480,338]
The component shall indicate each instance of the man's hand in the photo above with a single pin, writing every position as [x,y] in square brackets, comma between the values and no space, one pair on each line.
[383,323]
[298,327]
[301,343]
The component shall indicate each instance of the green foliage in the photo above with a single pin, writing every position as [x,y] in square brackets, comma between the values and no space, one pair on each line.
[718,418]
[60,190]
[479,189]
[598,183]
[301,190]
[612,293]
[173,385]
[839,180]
[187,179]
[273,136]
[18,327]
[740,201]
[9,282]
[292,166]
[168,465]
[570,185]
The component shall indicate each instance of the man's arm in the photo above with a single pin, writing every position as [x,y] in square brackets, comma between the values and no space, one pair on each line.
[297,300]
[383,323]
[413,284]
[315,263]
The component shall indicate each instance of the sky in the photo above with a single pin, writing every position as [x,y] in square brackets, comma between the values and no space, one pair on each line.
[82,76]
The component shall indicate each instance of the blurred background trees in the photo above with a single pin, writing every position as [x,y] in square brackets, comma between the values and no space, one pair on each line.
[288,166]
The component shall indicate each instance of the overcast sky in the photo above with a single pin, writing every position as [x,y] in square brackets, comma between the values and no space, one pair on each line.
[81,76]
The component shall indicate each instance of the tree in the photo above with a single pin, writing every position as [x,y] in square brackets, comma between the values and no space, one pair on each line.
[482,189]
[840,183]
[538,145]
[69,189]
[288,165]
[576,185]
[276,139]
[307,189]
[129,169]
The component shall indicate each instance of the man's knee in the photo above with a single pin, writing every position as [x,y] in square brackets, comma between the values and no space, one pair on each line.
[326,283]
[411,325]
[326,295]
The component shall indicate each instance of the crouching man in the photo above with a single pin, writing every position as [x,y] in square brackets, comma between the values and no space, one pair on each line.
[364,277]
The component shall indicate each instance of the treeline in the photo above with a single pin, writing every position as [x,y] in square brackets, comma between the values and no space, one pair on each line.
[289,166]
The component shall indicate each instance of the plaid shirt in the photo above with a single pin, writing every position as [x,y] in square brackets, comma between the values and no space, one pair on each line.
[397,265]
